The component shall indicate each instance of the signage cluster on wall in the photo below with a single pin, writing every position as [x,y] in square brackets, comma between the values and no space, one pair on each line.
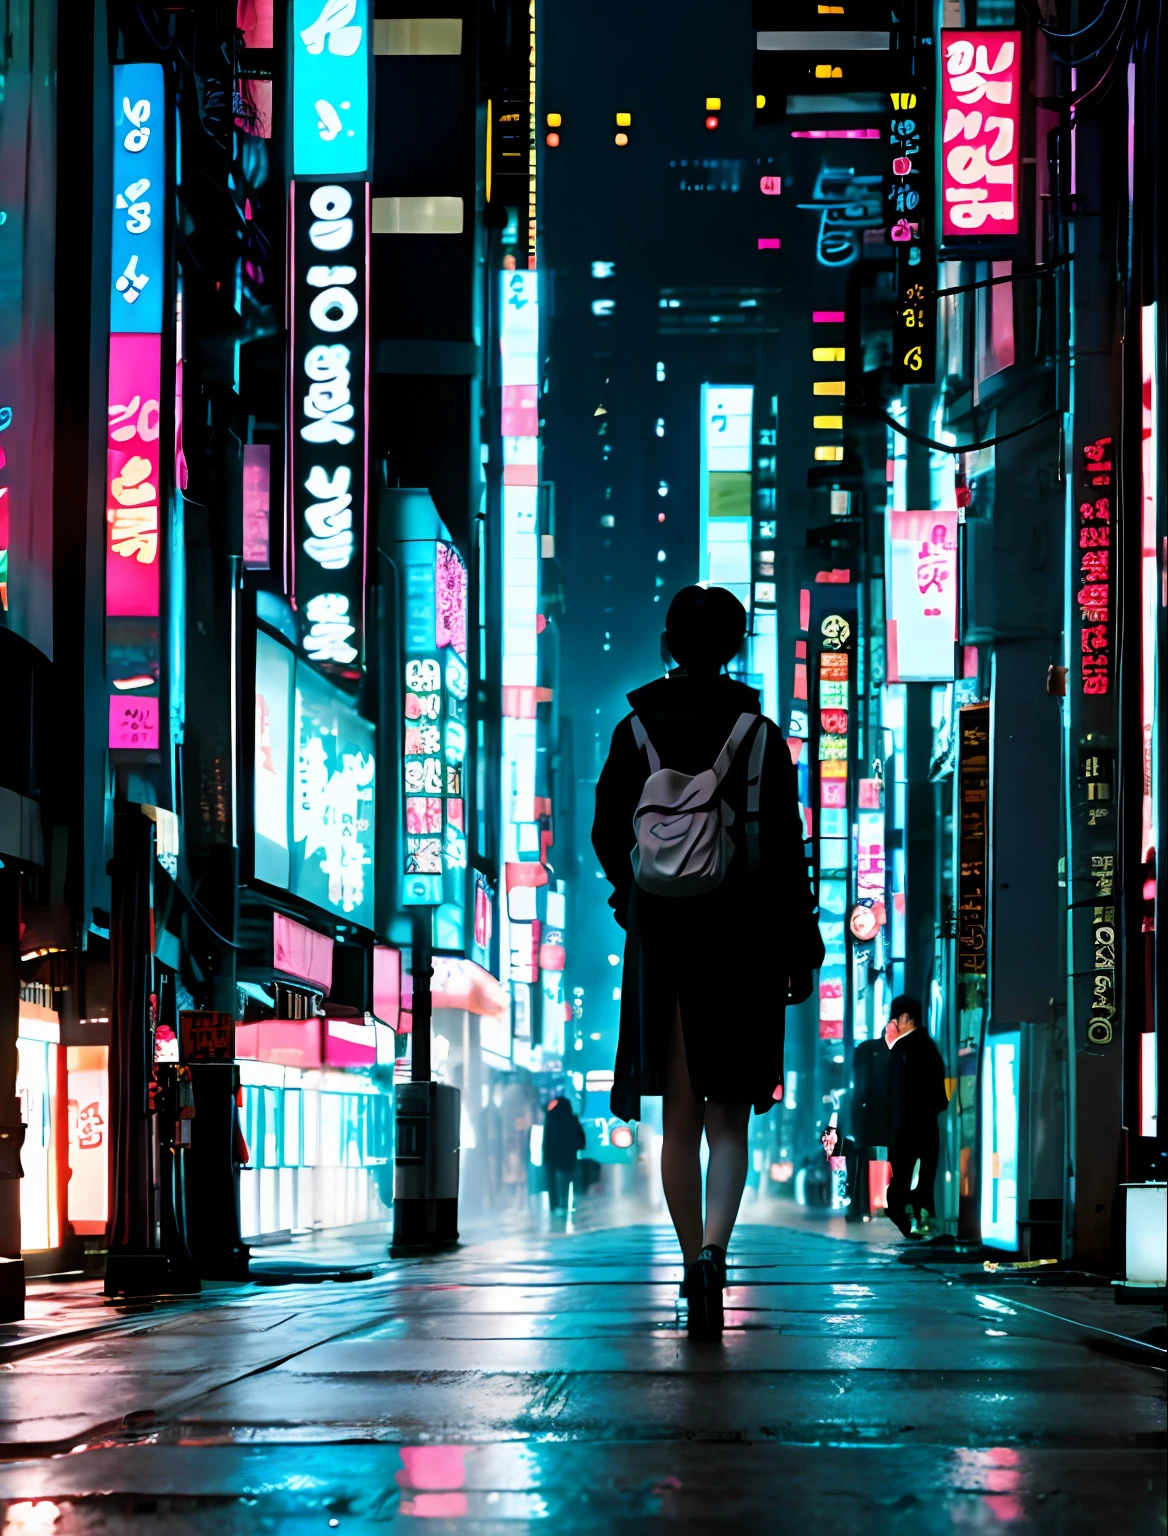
[834,633]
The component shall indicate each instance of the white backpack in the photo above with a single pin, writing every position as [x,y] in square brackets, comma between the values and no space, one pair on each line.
[682,821]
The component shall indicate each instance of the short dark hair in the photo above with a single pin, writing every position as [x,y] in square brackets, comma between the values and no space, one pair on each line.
[905,1004]
[704,628]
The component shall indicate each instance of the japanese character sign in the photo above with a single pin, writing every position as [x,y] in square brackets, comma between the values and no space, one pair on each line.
[139,191]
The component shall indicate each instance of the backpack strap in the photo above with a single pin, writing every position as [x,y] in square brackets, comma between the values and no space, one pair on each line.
[641,738]
[753,795]
[737,736]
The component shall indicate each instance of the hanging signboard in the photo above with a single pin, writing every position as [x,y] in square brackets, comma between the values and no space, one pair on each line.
[328,430]
[921,596]
[139,199]
[973,773]
[910,216]
[330,87]
[981,89]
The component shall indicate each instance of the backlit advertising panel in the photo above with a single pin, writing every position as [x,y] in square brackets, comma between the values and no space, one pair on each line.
[137,275]
[981,88]
[921,596]
[330,87]
[328,430]
[436,685]
[314,785]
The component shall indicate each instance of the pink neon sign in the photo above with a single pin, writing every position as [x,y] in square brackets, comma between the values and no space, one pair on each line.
[981,86]
[132,505]
[921,577]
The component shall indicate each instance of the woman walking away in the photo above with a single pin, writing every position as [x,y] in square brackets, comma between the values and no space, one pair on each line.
[699,833]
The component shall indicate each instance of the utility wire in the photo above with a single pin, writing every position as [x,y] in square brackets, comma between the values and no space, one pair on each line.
[1006,277]
[955,448]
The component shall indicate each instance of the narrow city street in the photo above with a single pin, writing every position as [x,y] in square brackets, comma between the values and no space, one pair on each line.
[541,1377]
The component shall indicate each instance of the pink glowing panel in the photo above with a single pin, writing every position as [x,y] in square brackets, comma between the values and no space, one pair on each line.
[828,316]
[768,245]
[921,595]
[770,186]
[835,133]
[981,87]
[132,502]
[450,599]
[387,984]
[520,410]
[302,952]
[350,1043]
[257,479]
[133,723]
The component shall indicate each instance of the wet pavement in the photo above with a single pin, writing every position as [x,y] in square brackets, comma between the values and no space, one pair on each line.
[541,1378]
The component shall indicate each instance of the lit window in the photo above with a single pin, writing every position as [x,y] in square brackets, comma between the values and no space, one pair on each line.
[713,103]
[760,102]
[827,354]
[554,120]
[827,72]
[829,455]
[417,216]
[830,10]
[552,141]
[621,140]
[663,489]
[419,35]
[660,426]
[624,119]
[828,387]
[828,423]
[608,521]
[661,373]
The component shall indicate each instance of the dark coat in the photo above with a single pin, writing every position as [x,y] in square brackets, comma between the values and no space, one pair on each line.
[916,1087]
[723,957]
[563,1135]
[870,1112]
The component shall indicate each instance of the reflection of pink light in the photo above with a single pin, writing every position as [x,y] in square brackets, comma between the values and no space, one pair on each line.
[435,1506]
[257,473]
[302,952]
[835,133]
[768,244]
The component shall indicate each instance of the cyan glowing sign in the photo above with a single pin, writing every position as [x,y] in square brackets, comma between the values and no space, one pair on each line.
[139,193]
[330,87]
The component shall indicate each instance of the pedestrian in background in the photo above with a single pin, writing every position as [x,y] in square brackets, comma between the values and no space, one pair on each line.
[563,1141]
[916,1096]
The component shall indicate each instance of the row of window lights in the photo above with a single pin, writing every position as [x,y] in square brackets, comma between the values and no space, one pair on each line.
[555,121]
[832,453]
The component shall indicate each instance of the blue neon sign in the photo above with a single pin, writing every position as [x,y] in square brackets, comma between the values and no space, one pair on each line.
[330,88]
[137,274]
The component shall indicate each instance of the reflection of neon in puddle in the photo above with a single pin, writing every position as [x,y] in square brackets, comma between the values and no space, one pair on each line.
[30,1516]
[435,1506]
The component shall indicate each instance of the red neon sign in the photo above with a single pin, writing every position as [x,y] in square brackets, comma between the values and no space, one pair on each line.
[981,85]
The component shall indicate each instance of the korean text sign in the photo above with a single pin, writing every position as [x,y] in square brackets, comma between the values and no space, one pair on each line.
[981,87]
[922,595]
[328,433]
[139,199]
[330,87]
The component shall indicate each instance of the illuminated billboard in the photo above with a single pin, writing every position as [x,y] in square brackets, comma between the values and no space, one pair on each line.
[725,488]
[314,786]
[328,430]
[330,87]
[921,596]
[436,684]
[981,88]
[137,276]
[522,844]
[135,510]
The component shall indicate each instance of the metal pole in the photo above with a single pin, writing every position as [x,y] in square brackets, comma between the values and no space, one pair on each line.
[422,969]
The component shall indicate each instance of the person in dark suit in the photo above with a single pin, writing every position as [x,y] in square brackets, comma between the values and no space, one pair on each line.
[916,1096]
[707,977]
[563,1141]
[869,1118]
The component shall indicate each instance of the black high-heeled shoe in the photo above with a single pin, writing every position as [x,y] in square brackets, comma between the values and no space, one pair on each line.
[702,1289]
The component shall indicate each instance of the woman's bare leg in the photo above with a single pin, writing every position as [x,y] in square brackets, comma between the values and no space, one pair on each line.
[726,1174]
[682,1114]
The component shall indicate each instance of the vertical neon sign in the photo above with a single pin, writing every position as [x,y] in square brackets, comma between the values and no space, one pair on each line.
[330,94]
[981,87]
[134,492]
